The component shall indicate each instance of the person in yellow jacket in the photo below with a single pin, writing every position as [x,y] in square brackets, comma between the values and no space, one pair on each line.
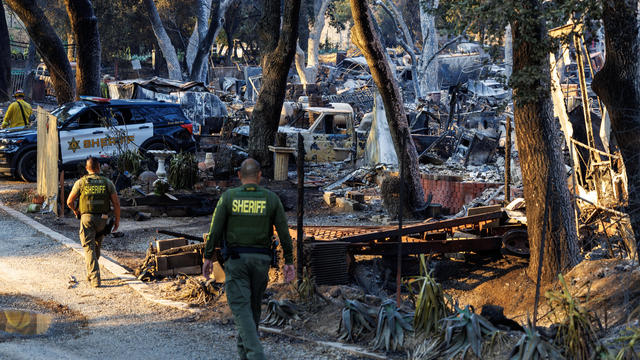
[18,112]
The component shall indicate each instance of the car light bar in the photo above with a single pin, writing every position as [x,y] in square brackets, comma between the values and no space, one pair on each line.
[95,99]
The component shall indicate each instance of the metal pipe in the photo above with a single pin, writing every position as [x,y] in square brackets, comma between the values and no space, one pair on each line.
[507,162]
[177,234]
[403,144]
[300,235]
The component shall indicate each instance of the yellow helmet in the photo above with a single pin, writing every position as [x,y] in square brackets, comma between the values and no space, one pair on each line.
[19,92]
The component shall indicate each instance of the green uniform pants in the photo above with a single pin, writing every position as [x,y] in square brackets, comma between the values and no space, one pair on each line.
[246,280]
[90,225]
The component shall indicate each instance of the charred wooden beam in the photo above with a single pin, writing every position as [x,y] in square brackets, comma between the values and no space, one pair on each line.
[177,234]
[421,228]
[428,247]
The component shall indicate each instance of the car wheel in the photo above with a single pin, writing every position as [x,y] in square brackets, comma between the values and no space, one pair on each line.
[152,164]
[27,166]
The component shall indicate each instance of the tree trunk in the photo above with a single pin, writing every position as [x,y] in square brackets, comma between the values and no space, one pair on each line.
[168,51]
[229,55]
[539,147]
[85,29]
[313,44]
[508,52]
[618,85]
[309,73]
[5,58]
[366,39]
[203,11]
[29,69]
[278,49]
[404,38]
[428,68]
[49,46]
[217,18]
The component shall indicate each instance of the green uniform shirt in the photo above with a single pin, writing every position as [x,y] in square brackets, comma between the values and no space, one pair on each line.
[82,187]
[245,217]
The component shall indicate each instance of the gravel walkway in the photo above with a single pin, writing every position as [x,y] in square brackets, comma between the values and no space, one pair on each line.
[120,324]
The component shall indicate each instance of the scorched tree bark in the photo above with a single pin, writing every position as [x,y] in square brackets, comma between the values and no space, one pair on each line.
[217,18]
[309,73]
[203,10]
[278,48]
[539,147]
[168,51]
[364,36]
[85,30]
[49,46]
[618,85]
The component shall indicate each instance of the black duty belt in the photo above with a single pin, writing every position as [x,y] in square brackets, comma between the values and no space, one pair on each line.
[249,250]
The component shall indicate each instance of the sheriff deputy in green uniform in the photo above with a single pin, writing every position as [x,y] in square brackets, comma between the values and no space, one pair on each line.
[244,219]
[96,194]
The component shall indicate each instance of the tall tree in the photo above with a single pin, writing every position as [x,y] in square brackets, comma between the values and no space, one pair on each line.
[233,19]
[309,73]
[364,36]
[404,38]
[85,31]
[5,58]
[49,46]
[278,40]
[428,65]
[539,146]
[203,10]
[217,18]
[618,85]
[167,48]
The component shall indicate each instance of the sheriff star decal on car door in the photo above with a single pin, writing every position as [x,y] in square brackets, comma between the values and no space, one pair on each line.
[73,145]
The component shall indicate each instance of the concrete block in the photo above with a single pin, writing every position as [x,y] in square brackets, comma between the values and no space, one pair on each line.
[346,205]
[356,196]
[329,198]
[162,245]
[179,263]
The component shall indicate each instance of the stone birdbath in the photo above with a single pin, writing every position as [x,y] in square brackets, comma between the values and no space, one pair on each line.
[161,156]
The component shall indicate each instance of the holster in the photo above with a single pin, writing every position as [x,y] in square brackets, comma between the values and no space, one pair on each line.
[274,254]
[107,228]
[228,253]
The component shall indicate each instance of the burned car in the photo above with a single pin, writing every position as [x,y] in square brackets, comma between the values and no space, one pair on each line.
[331,134]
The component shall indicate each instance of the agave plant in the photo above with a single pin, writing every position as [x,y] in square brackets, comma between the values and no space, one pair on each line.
[129,160]
[307,290]
[183,171]
[576,333]
[532,346]
[464,331]
[357,319]
[430,302]
[391,327]
[429,349]
[280,312]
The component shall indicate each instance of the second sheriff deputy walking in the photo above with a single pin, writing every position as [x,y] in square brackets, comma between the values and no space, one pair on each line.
[96,193]
[244,218]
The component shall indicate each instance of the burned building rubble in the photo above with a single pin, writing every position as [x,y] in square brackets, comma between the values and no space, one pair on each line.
[467,152]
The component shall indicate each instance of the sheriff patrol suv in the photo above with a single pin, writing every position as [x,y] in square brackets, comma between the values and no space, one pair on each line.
[96,127]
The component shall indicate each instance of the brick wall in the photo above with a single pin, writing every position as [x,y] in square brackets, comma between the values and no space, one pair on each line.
[451,192]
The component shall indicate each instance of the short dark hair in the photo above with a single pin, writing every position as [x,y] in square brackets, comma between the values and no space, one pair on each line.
[249,169]
[93,163]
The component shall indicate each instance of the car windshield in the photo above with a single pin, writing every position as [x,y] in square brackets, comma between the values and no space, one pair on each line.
[64,112]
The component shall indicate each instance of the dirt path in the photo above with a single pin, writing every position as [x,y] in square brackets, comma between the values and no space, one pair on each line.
[120,324]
